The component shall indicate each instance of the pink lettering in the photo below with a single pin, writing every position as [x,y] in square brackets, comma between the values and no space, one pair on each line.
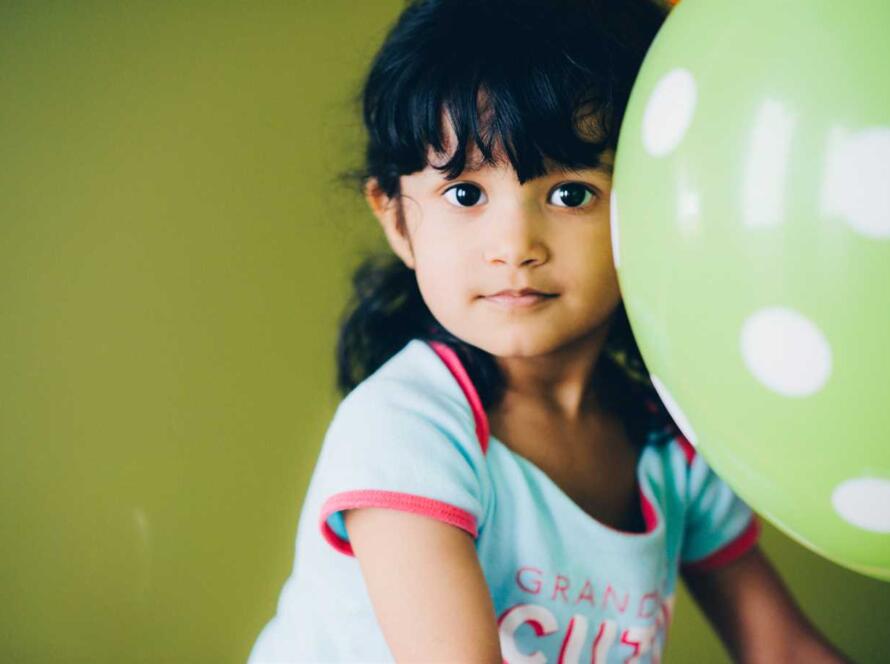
[576,634]
[611,591]
[541,620]
[560,586]
[586,593]
[523,574]
[640,638]
[603,641]
[666,611]
[654,599]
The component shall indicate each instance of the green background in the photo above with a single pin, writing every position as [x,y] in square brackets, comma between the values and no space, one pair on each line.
[175,251]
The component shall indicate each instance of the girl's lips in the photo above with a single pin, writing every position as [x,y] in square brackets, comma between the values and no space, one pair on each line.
[519,300]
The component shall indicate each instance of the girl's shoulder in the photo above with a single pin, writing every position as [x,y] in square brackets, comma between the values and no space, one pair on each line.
[405,438]
[670,449]
[419,388]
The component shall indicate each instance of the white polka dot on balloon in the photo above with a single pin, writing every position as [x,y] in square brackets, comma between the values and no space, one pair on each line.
[674,409]
[864,502]
[669,112]
[854,183]
[786,351]
[613,229]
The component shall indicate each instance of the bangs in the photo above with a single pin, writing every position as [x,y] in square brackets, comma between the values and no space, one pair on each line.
[491,123]
[529,86]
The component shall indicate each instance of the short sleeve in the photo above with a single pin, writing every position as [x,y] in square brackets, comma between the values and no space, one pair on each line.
[404,445]
[720,526]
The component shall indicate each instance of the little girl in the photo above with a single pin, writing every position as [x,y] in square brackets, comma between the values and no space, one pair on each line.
[501,482]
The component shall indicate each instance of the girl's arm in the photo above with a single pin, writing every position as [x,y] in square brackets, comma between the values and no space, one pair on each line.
[426,585]
[755,615]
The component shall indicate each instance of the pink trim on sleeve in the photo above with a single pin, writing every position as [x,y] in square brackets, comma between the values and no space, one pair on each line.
[404,502]
[729,552]
[452,361]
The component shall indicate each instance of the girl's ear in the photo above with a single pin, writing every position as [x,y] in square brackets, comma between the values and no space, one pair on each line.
[386,211]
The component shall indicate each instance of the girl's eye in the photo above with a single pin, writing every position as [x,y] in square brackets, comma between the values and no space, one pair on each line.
[464,195]
[572,195]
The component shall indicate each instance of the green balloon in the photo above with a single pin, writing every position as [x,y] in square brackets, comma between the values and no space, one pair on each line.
[751,233]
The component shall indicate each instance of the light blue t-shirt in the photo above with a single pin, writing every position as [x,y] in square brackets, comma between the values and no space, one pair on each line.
[566,588]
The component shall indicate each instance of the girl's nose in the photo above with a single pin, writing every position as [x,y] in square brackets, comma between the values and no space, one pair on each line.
[516,240]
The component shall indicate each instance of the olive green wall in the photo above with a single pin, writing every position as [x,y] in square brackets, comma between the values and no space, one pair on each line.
[174,254]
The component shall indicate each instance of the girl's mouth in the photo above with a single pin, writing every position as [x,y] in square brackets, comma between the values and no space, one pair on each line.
[519,299]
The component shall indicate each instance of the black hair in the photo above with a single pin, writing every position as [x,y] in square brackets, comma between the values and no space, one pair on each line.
[541,79]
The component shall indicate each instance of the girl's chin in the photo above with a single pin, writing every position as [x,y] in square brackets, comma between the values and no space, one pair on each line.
[524,345]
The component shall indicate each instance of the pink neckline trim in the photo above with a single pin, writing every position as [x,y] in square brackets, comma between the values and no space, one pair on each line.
[452,361]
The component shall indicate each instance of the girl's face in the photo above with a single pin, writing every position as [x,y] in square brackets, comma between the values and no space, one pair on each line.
[476,241]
